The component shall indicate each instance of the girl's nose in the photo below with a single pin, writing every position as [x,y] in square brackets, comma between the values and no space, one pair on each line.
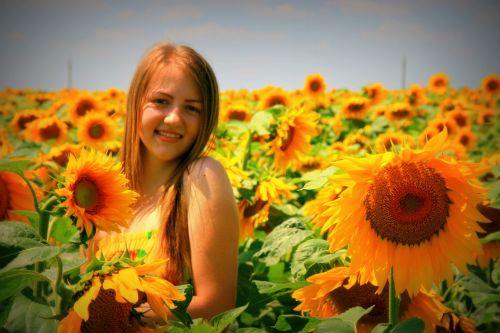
[172,115]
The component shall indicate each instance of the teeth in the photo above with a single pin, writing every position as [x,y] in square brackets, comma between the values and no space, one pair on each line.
[169,134]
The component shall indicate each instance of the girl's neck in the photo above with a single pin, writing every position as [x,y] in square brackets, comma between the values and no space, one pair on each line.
[155,175]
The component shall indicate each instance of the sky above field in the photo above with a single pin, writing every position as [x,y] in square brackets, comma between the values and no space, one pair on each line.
[253,43]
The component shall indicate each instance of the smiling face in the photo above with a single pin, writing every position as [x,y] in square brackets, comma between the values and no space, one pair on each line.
[171,115]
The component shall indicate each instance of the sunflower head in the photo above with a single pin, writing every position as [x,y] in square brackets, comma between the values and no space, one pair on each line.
[314,84]
[439,83]
[96,192]
[45,129]
[95,128]
[490,84]
[355,107]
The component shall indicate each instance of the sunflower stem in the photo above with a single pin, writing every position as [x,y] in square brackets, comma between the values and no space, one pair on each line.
[248,150]
[393,301]
[35,199]
[58,299]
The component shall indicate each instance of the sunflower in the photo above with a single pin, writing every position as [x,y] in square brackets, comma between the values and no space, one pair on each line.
[15,195]
[337,290]
[83,104]
[386,141]
[94,128]
[231,165]
[490,84]
[399,111]
[416,95]
[491,250]
[357,142]
[438,83]
[22,118]
[355,107]
[485,116]
[414,211]
[273,96]
[45,129]
[376,92]
[442,123]
[466,138]
[460,117]
[5,144]
[314,85]
[60,154]
[96,192]
[295,129]
[109,296]
[236,110]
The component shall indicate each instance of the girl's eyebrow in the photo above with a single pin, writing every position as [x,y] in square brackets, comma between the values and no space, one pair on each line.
[171,97]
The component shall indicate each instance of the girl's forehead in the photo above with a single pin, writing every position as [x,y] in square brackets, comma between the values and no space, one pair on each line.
[173,75]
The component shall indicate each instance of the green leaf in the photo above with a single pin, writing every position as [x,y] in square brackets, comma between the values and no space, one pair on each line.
[334,325]
[18,166]
[13,281]
[250,330]
[222,320]
[308,250]
[261,122]
[296,323]
[412,325]
[181,310]
[18,234]
[31,256]
[494,236]
[32,216]
[63,229]
[281,240]
[29,316]
[5,307]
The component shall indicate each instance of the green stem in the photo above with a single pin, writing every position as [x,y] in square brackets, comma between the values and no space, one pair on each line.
[393,301]
[35,199]
[58,299]
[248,151]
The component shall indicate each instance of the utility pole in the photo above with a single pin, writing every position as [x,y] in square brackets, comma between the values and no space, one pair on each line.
[403,73]
[70,74]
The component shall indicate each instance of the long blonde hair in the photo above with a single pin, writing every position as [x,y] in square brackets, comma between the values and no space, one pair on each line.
[173,235]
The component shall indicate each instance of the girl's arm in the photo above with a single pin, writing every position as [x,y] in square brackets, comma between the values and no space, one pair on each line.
[214,232]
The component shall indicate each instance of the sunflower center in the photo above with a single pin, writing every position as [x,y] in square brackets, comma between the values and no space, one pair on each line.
[237,115]
[62,158]
[365,296]
[83,107]
[401,113]
[492,85]
[96,131]
[439,83]
[460,120]
[464,140]
[87,194]
[276,100]
[289,139]
[407,203]
[23,121]
[315,86]
[4,199]
[356,107]
[50,132]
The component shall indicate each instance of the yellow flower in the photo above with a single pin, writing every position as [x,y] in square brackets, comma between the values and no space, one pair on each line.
[82,104]
[96,192]
[385,141]
[314,84]
[95,128]
[49,128]
[295,129]
[273,96]
[355,107]
[108,298]
[414,211]
[399,111]
[438,83]
[490,84]
[376,92]
[22,118]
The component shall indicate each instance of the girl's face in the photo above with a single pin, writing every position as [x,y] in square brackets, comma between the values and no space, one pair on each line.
[171,114]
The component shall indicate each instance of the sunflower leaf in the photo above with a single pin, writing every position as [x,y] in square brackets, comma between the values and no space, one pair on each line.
[494,236]
[17,166]
[295,323]
[412,325]
[31,256]
[63,229]
[222,320]
[281,240]
[27,315]
[14,281]
[17,234]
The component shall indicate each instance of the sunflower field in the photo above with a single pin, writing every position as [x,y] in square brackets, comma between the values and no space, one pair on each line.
[375,210]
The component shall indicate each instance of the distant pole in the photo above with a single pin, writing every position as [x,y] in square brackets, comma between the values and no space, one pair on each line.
[403,73]
[70,78]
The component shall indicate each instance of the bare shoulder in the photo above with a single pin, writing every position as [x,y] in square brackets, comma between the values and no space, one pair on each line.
[207,172]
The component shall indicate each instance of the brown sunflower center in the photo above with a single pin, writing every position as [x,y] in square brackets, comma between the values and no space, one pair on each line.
[84,106]
[464,140]
[237,115]
[96,131]
[87,194]
[276,100]
[355,107]
[25,120]
[289,139]
[254,209]
[407,203]
[492,86]
[4,199]
[315,86]
[50,132]
[461,120]
[400,113]
[439,83]
[62,158]
[365,296]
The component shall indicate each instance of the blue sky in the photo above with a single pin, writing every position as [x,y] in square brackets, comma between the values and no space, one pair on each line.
[251,43]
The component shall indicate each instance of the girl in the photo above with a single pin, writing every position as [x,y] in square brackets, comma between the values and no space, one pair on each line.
[186,211]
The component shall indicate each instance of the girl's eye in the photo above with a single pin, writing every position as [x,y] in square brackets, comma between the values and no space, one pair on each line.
[160,101]
[193,108]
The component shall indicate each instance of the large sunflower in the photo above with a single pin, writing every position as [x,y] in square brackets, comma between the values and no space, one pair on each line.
[96,192]
[295,129]
[15,195]
[335,291]
[95,128]
[314,84]
[414,211]
[355,107]
[83,104]
[106,300]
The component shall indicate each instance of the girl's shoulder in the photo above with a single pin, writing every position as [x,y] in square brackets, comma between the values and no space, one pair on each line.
[205,168]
